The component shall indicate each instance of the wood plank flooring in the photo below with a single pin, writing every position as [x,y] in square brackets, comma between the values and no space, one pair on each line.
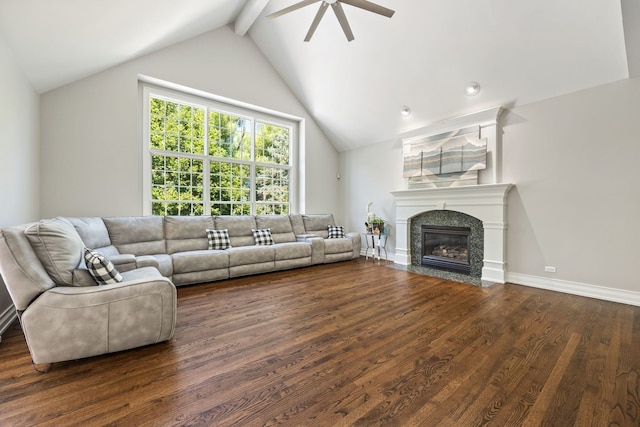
[350,344]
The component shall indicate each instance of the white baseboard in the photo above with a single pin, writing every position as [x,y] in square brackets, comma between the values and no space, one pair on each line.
[6,319]
[575,288]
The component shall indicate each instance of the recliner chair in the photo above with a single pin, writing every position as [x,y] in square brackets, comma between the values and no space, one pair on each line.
[64,319]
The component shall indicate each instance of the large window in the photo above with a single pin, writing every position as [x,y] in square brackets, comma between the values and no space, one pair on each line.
[209,158]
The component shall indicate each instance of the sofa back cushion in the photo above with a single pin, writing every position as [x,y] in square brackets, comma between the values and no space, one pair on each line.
[280,226]
[94,234]
[23,273]
[318,224]
[186,233]
[58,246]
[297,224]
[239,227]
[137,235]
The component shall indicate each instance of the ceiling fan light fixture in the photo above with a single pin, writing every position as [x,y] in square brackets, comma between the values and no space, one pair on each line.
[405,111]
[472,88]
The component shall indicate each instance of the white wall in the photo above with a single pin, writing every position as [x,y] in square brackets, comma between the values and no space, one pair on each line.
[91,129]
[368,175]
[574,161]
[19,169]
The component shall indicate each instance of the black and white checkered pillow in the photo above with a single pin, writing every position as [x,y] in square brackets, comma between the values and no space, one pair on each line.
[262,236]
[100,268]
[218,239]
[336,231]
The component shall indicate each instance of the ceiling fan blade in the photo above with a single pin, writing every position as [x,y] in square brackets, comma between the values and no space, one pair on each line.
[291,8]
[342,19]
[371,7]
[316,21]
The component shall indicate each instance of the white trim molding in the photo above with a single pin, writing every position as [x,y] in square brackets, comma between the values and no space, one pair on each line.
[7,318]
[575,288]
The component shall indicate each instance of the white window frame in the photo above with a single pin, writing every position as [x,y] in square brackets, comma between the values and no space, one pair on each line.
[164,90]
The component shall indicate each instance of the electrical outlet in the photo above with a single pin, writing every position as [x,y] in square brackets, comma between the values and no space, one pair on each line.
[549,269]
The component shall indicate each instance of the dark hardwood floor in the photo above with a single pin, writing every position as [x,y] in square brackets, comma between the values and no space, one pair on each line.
[352,343]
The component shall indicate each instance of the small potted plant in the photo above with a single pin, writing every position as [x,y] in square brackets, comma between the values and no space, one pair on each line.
[374,223]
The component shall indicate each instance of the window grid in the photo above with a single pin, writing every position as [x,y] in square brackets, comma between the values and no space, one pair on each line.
[246,169]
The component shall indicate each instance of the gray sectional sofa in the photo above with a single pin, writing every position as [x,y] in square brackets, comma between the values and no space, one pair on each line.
[178,247]
[65,315]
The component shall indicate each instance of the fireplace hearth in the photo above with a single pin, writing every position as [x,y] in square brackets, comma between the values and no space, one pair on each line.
[446,248]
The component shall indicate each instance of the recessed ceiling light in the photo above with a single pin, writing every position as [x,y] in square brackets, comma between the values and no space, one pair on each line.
[472,88]
[405,111]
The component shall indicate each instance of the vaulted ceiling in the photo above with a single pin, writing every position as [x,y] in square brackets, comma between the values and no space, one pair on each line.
[519,51]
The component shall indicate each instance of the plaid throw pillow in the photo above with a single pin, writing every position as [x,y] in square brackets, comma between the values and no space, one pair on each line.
[262,236]
[336,232]
[218,239]
[100,268]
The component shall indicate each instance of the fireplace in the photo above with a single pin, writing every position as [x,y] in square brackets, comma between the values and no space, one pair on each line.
[483,198]
[487,203]
[446,248]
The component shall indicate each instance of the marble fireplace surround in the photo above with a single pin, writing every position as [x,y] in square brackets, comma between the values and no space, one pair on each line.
[487,202]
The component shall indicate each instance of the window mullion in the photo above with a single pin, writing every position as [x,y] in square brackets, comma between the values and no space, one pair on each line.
[252,182]
[206,167]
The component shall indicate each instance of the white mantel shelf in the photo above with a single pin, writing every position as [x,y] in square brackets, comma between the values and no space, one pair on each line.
[487,202]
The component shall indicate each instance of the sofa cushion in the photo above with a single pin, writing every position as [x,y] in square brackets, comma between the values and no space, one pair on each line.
[317,224]
[292,250]
[187,233]
[101,268]
[239,227]
[297,224]
[58,247]
[218,239]
[251,255]
[192,261]
[262,236]
[280,226]
[335,246]
[335,232]
[94,234]
[140,235]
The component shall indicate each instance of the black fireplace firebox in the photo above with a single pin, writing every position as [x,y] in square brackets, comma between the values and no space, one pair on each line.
[446,248]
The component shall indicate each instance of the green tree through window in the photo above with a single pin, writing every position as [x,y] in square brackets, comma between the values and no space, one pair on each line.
[208,161]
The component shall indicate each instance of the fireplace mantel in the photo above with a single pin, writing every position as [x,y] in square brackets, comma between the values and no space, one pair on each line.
[487,202]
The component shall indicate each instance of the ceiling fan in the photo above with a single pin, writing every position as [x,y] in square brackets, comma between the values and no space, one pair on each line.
[336,5]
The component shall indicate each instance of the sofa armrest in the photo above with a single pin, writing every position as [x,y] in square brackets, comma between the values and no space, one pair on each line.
[123,262]
[317,246]
[305,237]
[357,243]
[147,261]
